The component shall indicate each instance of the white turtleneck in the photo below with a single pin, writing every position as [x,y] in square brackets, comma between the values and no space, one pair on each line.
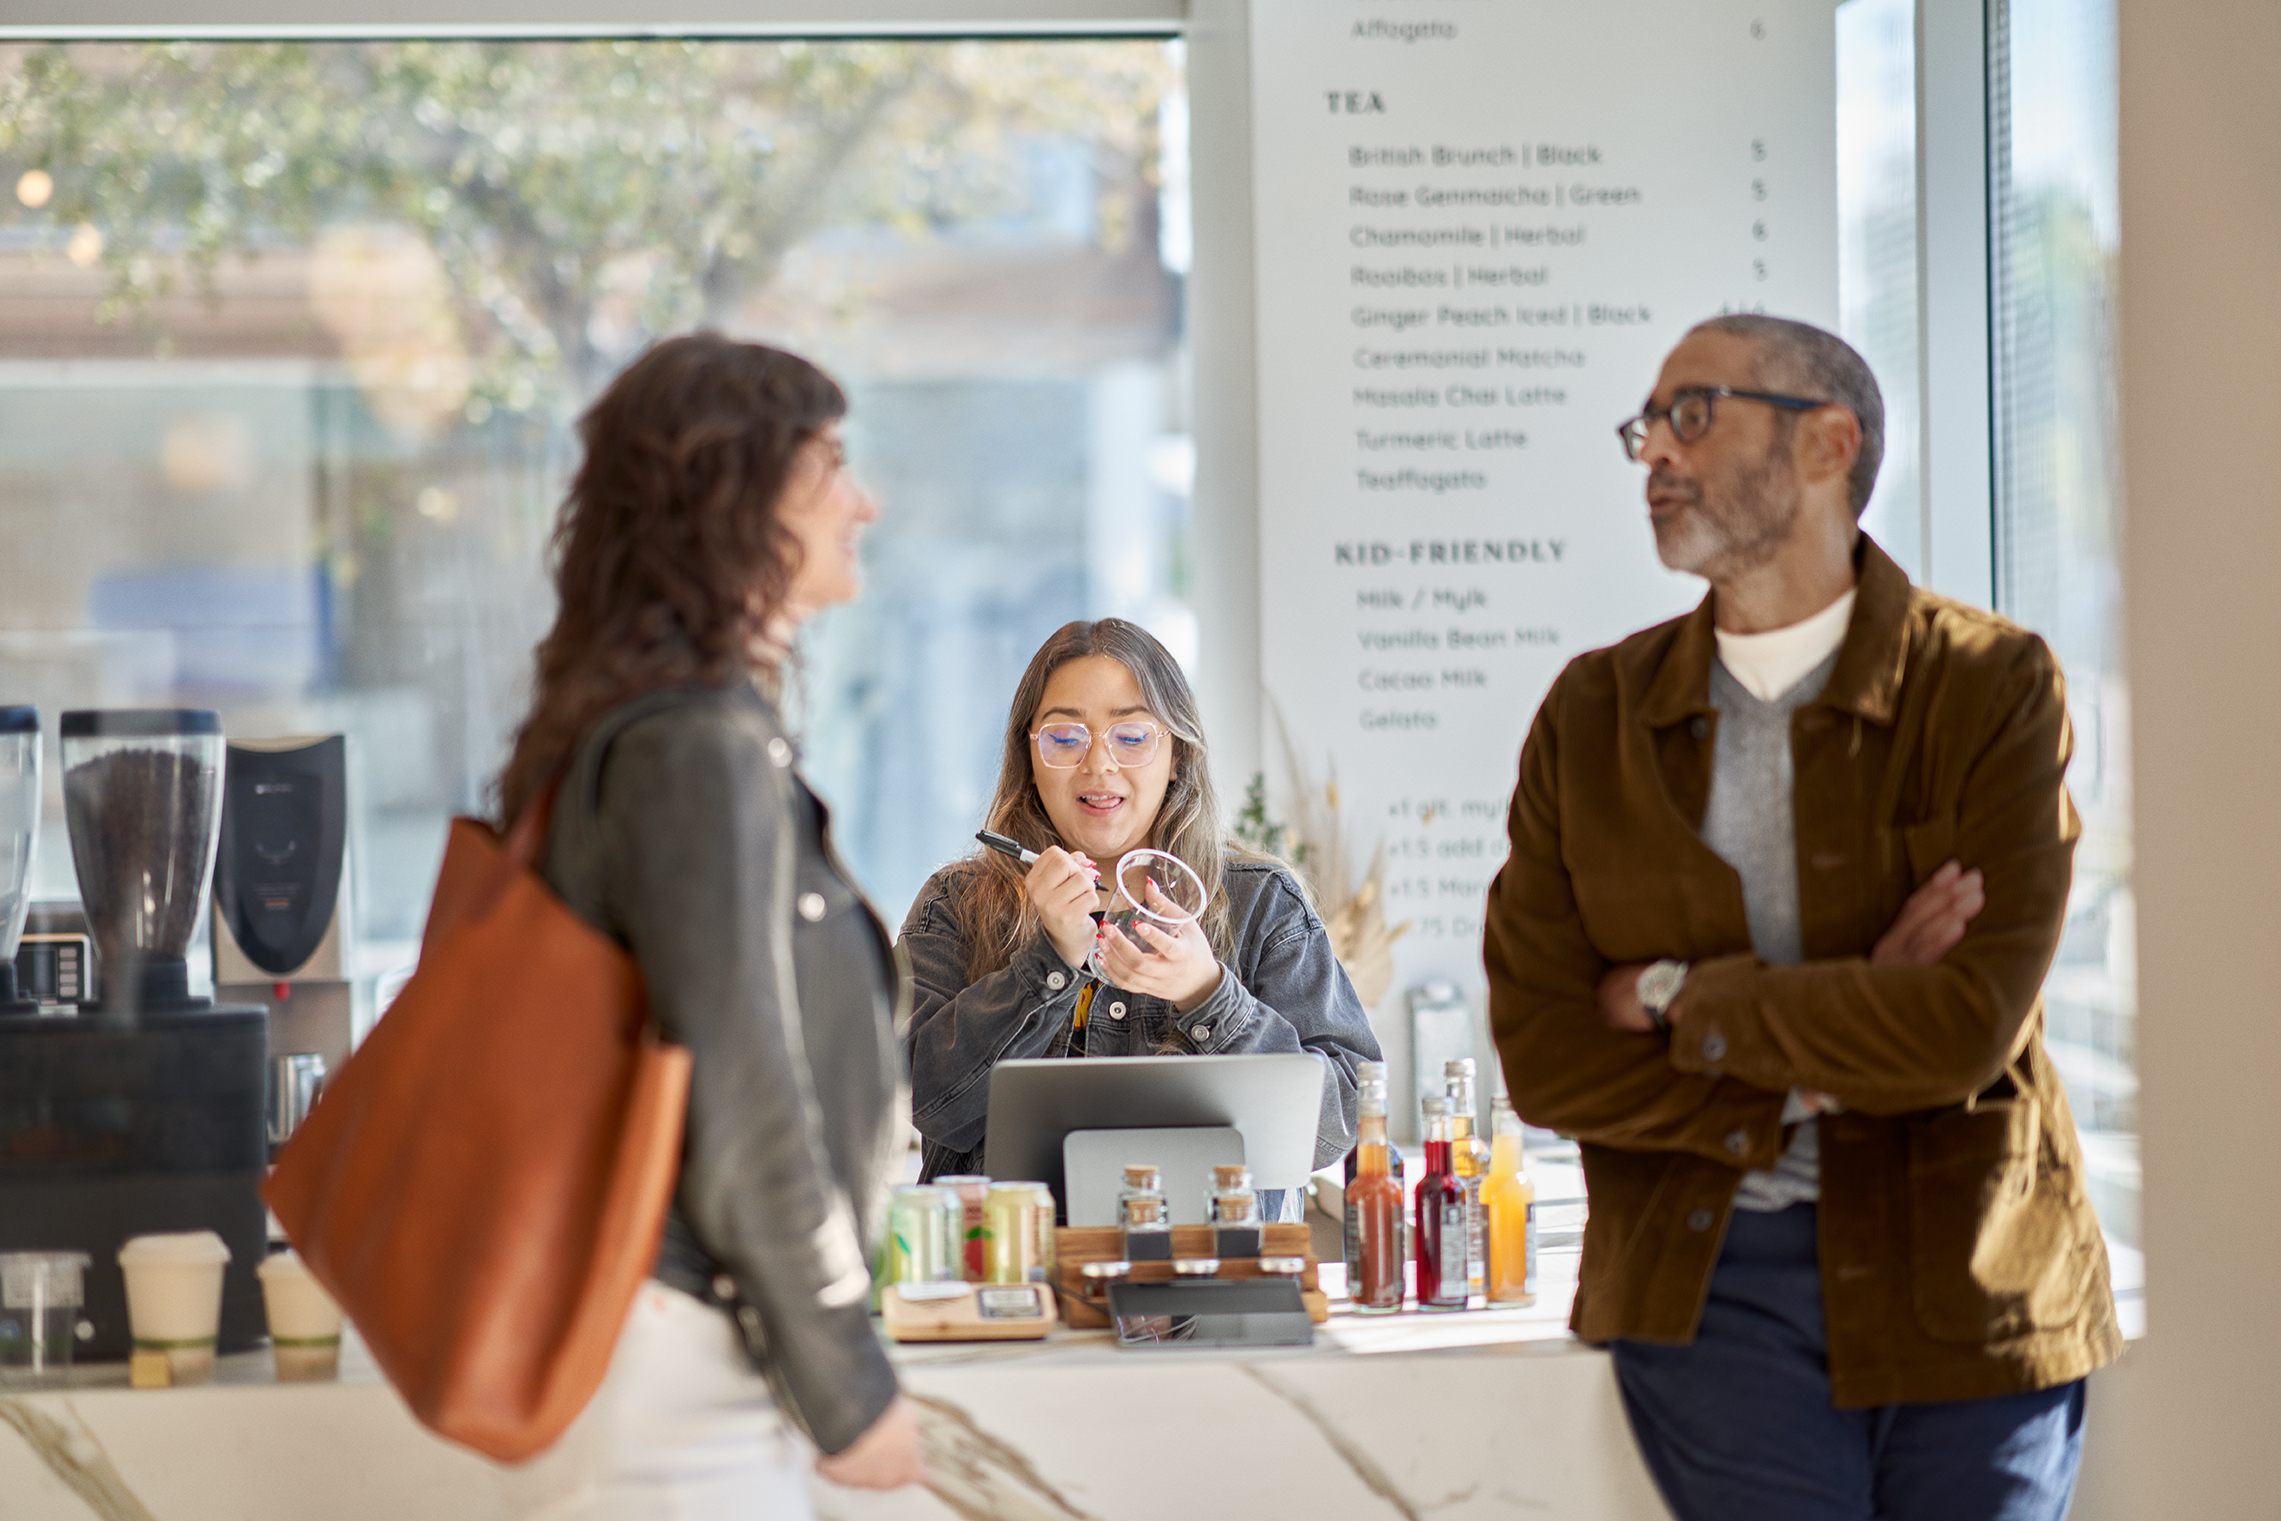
[1770,664]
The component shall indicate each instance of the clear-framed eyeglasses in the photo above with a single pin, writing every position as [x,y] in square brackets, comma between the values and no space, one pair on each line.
[1064,746]
[1690,414]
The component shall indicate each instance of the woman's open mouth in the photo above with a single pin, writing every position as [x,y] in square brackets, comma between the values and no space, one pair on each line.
[1100,804]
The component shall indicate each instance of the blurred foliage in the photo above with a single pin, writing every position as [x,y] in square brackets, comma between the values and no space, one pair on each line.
[580,197]
[1260,834]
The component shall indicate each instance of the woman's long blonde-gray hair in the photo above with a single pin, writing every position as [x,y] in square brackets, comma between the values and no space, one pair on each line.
[995,914]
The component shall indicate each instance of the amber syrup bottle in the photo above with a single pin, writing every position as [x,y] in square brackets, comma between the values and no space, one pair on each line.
[1374,1205]
[1394,1165]
[1443,1230]
[1511,1200]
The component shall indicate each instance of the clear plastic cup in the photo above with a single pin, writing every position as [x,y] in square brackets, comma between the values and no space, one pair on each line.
[40,1296]
[174,1299]
[1153,887]
[304,1323]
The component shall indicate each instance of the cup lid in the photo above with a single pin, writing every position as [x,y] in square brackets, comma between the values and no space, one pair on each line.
[175,1249]
[281,1265]
[138,723]
[19,718]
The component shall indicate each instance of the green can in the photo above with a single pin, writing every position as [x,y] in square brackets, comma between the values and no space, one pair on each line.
[924,1224]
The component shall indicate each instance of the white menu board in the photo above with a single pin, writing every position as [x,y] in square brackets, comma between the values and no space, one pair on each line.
[1481,226]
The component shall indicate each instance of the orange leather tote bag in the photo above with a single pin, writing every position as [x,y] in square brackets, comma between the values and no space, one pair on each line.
[483,1185]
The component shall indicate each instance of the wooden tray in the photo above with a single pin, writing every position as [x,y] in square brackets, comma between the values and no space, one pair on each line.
[1074,1246]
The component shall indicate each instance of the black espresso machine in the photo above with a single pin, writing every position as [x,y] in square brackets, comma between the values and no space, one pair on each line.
[144,1112]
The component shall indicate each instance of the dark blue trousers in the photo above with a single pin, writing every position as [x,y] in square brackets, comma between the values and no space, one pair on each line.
[1739,1425]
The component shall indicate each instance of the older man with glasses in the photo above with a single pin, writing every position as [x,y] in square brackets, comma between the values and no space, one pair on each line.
[1786,876]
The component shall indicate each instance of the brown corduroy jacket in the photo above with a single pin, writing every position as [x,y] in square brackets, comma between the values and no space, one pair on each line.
[1959,1254]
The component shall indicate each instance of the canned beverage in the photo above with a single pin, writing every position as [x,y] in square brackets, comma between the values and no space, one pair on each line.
[1013,1232]
[1021,1233]
[973,1251]
[924,1224]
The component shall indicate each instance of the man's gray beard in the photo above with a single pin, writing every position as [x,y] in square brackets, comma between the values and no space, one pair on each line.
[1741,530]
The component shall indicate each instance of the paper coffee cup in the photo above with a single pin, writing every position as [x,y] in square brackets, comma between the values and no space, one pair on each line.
[174,1298]
[304,1323]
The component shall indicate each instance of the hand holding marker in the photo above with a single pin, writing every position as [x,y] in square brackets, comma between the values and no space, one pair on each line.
[1065,899]
[1006,846]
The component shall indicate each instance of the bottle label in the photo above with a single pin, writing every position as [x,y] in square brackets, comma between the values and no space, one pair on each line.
[1453,1251]
[1476,1239]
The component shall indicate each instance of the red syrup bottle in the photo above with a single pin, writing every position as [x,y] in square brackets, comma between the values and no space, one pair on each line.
[1443,1227]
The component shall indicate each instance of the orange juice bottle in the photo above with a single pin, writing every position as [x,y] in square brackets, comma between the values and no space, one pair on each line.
[1509,1201]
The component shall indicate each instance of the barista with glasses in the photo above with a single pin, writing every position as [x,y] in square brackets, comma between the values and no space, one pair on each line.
[1104,754]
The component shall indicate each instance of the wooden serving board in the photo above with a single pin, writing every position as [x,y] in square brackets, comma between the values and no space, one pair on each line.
[1074,1246]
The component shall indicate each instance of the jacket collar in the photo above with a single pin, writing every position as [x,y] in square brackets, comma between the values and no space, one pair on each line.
[1866,680]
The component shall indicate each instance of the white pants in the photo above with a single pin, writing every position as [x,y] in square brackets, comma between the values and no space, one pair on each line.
[682,1429]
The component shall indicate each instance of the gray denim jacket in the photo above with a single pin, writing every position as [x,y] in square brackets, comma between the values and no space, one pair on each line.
[1284,991]
[682,830]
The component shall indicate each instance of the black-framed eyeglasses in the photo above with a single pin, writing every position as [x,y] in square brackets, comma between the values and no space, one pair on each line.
[1131,743]
[1690,414]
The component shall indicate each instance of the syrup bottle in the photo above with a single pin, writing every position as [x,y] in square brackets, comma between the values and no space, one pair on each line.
[1469,1159]
[1441,1230]
[1400,1173]
[1373,1205]
[1510,1201]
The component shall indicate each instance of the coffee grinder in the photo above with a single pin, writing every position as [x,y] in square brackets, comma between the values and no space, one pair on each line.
[142,1113]
[281,902]
[19,832]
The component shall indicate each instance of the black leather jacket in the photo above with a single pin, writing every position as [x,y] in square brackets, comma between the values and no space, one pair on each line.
[683,830]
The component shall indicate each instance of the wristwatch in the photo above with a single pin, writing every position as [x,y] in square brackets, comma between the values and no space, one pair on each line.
[1658,989]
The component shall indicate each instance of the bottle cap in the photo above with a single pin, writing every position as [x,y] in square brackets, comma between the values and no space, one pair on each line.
[1142,1175]
[1435,1106]
[1370,1072]
[1459,1067]
[1231,1176]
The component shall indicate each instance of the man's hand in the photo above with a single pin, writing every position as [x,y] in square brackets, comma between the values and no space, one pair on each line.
[1619,1000]
[1931,923]
[1927,928]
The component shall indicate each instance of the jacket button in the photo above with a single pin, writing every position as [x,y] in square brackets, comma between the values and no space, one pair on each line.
[1700,1220]
[724,1287]
[1056,981]
[1738,1142]
[1700,728]
[811,906]
[1714,1047]
[1116,1011]
[1201,1032]
[779,751]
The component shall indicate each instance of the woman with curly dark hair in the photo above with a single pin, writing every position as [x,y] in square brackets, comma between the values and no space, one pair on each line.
[712,513]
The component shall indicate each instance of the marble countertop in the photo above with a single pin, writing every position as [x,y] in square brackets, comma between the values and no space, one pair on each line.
[1456,1415]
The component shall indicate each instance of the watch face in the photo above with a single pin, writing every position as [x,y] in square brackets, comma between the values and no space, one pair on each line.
[1659,984]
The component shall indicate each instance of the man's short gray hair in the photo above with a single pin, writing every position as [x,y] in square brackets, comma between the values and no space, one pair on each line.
[1799,359]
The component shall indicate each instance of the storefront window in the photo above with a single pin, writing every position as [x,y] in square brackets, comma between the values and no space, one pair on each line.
[2059,519]
[292,337]
[1877,248]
